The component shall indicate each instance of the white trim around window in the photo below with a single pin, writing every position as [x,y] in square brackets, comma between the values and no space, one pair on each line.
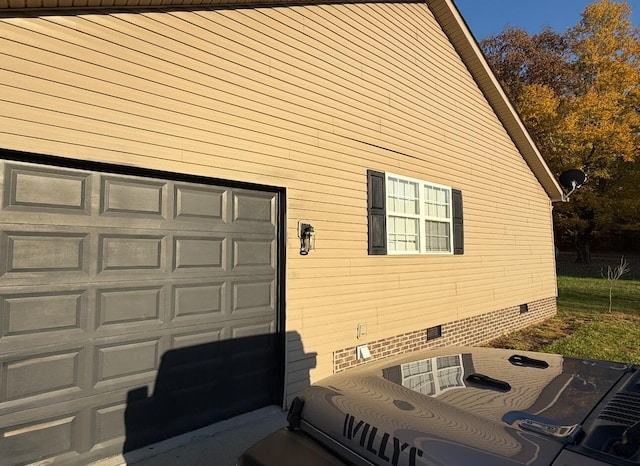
[419,216]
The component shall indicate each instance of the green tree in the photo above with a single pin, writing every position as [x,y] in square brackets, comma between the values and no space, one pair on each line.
[578,94]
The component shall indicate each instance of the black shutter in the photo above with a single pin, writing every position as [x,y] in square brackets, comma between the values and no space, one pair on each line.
[376,205]
[458,224]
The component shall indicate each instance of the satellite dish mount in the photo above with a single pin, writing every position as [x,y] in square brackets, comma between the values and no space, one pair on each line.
[570,181]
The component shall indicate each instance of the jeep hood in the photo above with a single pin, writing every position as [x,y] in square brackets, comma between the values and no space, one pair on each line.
[497,407]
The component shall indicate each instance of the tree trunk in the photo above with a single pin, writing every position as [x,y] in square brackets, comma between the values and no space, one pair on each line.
[583,247]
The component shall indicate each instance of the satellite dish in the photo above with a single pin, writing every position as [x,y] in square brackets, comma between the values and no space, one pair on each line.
[572,180]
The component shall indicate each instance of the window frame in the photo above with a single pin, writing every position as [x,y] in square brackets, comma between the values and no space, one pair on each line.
[422,216]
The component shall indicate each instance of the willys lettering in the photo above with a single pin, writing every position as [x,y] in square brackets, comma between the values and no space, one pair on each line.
[386,446]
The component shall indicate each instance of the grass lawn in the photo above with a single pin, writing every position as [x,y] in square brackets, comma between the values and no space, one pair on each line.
[584,327]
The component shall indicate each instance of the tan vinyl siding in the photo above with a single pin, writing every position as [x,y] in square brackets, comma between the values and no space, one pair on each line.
[306,98]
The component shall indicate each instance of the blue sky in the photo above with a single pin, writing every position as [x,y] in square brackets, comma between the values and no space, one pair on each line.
[490,17]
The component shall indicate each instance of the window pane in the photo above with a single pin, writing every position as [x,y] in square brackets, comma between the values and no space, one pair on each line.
[403,234]
[402,197]
[418,376]
[450,378]
[416,367]
[437,202]
[438,236]
[448,361]
[423,383]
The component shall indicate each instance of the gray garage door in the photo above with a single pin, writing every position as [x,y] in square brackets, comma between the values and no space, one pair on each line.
[131,309]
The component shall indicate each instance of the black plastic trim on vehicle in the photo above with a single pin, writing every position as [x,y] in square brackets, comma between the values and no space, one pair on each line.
[295,413]
[541,425]
[484,381]
[337,448]
[287,448]
[525,361]
[629,443]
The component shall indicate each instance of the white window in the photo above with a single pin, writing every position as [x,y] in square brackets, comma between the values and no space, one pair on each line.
[419,216]
[433,376]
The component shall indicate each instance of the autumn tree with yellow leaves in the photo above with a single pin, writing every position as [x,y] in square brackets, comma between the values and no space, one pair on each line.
[578,94]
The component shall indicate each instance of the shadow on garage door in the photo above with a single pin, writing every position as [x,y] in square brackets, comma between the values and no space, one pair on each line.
[194,385]
[202,384]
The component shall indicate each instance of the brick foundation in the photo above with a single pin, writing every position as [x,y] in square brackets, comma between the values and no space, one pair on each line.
[465,332]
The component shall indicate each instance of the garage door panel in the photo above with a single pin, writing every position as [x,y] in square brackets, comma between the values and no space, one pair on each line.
[254,253]
[131,253]
[253,298]
[133,198]
[109,426]
[199,252]
[254,208]
[36,190]
[200,204]
[199,302]
[125,308]
[130,307]
[126,362]
[35,313]
[49,438]
[43,374]
[39,379]
[43,252]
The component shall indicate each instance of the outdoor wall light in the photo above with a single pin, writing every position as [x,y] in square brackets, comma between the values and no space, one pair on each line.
[307,238]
